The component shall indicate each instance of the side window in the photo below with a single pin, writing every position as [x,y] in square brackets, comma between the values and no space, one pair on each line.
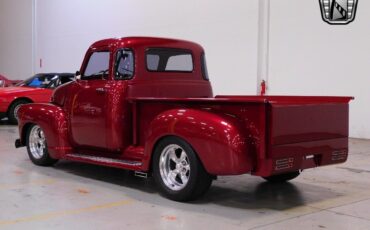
[97,66]
[41,81]
[54,82]
[204,67]
[35,82]
[152,61]
[124,64]
[169,60]
[62,79]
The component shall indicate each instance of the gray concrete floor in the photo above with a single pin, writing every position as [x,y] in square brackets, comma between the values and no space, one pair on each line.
[78,196]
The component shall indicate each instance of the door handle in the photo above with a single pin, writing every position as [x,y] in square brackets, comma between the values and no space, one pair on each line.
[100,90]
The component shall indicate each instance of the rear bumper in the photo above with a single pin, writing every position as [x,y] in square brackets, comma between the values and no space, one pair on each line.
[2,115]
[299,156]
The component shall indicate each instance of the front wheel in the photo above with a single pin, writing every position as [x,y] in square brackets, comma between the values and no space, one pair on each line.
[178,172]
[37,147]
[13,110]
[282,177]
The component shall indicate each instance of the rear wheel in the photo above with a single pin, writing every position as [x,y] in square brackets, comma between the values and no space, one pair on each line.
[13,109]
[178,172]
[282,177]
[37,147]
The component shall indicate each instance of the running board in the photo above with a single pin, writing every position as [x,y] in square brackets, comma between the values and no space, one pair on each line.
[118,163]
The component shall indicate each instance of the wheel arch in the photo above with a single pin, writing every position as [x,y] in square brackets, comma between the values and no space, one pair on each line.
[29,100]
[221,150]
[52,120]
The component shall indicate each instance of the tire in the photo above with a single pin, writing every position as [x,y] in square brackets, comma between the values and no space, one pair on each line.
[37,147]
[13,109]
[282,177]
[178,172]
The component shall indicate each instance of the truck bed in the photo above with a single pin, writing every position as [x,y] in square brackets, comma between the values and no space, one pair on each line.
[284,133]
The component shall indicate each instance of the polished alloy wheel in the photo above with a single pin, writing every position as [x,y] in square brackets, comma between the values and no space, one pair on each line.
[16,110]
[37,143]
[177,170]
[174,167]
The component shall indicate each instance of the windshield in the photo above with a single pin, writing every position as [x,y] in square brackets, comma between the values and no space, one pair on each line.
[98,65]
[38,81]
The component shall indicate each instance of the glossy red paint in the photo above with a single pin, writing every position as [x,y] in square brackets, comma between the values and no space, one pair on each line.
[119,122]
[37,89]
[10,94]
[52,120]
[8,82]
[216,137]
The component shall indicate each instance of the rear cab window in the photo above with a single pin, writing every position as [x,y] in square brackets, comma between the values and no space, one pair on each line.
[169,60]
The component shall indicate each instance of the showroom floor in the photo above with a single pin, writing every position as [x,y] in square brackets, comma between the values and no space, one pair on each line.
[77,196]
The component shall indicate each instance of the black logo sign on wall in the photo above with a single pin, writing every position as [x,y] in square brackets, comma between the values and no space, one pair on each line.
[338,12]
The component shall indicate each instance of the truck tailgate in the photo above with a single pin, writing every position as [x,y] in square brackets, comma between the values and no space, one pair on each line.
[307,122]
[307,132]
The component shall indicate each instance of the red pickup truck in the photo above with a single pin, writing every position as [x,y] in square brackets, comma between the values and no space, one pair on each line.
[146,104]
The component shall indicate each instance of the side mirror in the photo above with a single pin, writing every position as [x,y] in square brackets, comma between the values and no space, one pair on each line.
[2,83]
[78,75]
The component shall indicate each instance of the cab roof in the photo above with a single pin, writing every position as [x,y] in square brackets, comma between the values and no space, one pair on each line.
[136,42]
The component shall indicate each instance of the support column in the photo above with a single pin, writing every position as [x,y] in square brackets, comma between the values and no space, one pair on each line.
[263,44]
[34,36]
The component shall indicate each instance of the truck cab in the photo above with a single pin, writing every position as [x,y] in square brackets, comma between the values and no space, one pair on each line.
[115,70]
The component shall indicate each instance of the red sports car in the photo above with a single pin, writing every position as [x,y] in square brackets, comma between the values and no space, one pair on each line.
[5,82]
[38,88]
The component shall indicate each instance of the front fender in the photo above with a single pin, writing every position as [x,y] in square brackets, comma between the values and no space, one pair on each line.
[5,102]
[52,120]
[217,139]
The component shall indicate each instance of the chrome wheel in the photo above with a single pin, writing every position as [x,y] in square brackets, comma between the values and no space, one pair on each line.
[37,142]
[177,170]
[174,167]
[16,111]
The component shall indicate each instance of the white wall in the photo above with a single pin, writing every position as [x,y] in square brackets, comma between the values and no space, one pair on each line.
[16,38]
[226,29]
[311,57]
[306,55]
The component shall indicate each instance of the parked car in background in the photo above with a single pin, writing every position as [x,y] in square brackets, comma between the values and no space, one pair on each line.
[5,82]
[38,88]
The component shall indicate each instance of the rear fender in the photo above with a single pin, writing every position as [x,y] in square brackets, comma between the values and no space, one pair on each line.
[52,120]
[216,138]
